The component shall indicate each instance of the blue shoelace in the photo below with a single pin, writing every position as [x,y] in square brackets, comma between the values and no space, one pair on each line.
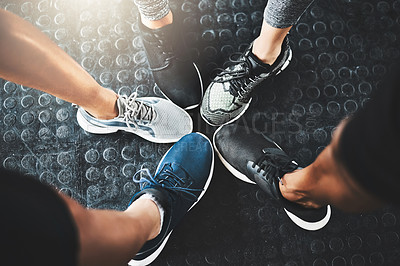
[167,180]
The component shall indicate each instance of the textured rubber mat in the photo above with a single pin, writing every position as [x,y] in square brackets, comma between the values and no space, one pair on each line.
[341,50]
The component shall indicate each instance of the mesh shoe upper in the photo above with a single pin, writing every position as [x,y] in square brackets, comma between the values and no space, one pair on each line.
[135,112]
[152,118]
[229,94]
[170,120]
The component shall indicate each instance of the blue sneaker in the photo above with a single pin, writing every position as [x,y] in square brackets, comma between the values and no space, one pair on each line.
[181,179]
[152,118]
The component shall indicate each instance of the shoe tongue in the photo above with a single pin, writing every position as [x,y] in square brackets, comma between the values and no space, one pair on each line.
[178,170]
[142,114]
[270,187]
[257,66]
[121,107]
[277,165]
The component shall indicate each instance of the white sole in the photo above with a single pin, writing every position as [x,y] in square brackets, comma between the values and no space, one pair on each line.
[156,253]
[310,226]
[94,129]
[286,64]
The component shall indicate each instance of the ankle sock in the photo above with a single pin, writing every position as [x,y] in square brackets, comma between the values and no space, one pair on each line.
[153,9]
[160,208]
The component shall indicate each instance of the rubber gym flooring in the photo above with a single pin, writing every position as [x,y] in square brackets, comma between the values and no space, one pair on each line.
[341,50]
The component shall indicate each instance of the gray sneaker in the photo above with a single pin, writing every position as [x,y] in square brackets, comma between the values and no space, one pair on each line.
[229,94]
[152,118]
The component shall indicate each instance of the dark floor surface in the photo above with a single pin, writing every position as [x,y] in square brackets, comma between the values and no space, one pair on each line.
[341,49]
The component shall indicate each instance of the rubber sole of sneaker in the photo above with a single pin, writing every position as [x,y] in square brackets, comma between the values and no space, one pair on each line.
[310,226]
[201,89]
[95,129]
[284,66]
[157,252]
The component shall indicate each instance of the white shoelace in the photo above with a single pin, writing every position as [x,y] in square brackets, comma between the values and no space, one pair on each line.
[136,111]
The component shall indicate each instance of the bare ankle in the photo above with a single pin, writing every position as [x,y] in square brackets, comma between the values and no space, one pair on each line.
[267,55]
[148,215]
[268,45]
[108,109]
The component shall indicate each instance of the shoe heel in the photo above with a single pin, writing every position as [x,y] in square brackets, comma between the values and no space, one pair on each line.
[285,65]
[92,128]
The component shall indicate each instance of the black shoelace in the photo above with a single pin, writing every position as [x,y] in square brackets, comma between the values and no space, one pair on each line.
[275,163]
[241,80]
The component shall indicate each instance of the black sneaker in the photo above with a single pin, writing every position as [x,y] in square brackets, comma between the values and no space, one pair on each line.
[181,179]
[174,72]
[229,94]
[254,158]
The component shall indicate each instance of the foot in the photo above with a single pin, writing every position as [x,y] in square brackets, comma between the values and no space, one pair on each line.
[154,119]
[229,94]
[174,73]
[181,179]
[254,158]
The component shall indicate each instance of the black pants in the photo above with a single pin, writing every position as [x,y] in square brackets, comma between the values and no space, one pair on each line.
[370,143]
[36,228]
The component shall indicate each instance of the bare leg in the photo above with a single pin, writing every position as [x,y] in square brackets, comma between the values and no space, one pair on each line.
[267,46]
[326,181]
[111,237]
[30,58]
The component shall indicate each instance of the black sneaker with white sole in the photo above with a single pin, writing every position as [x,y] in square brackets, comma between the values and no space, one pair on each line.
[229,94]
[174,72]
[254,158]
